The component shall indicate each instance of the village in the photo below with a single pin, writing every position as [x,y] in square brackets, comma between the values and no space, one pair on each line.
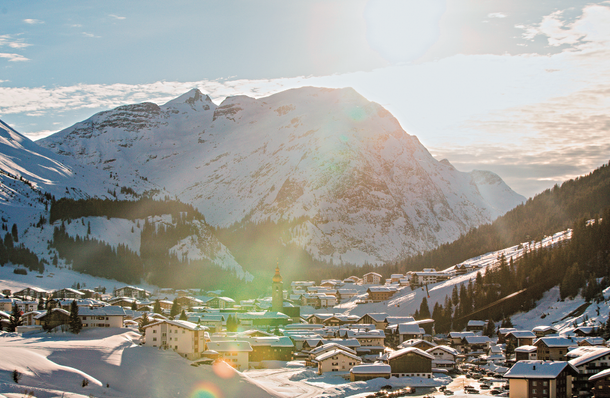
[303,326]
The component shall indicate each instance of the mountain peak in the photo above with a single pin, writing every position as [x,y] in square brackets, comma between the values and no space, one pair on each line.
[194,97]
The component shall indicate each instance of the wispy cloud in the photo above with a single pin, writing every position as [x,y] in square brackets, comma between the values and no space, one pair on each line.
[33,21]
[14,57]
[116,16]
[87,34]
[496,15]
[12,42]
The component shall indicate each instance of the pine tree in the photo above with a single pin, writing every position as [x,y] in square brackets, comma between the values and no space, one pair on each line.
[157,307]
[75,323]
[175,309]
[15,233]
[143,322]
[134,305]
[424,310]
[14,319]
[489,329]
[183,316]
[41,304]
[510,349]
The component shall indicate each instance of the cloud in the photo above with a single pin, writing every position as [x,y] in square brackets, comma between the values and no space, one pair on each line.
[33,21]
[10,41]
[116,16]
[86,34]
[14,57]
[496,15]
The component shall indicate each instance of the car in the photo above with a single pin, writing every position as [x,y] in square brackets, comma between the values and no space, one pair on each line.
[495,392]
[484,387]
[448,392]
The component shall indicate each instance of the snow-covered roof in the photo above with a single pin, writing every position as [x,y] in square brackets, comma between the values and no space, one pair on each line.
[111,310]
[590,356]
[410,328]
[459,335]
[182,324]
[373,368]
[377,317]
[537,370]
[372,273]
[474,322]
[555,341]
[526,348]
[447,349]
[393,320]
[522,334]
[477,339]
[600,375]
[414,342]
[229,346]
[332,353]
[360,334]
[407,350]
[543,328]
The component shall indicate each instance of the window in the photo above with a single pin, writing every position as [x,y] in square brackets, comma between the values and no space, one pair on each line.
[154,339]
[154,330]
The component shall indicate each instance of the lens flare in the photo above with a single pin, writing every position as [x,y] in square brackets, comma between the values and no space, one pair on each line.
[206,390]
[223,369]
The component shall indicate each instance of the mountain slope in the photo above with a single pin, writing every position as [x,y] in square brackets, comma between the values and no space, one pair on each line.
[358,186]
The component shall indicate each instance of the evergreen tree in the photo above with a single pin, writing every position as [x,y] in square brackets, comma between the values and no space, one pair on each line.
[506,323]
[183,316]
[134,305]
[424,310]
[510,349]
[143,322]
[489,329]
[75,323]
[157,307]
[41,304]
[175,308]
[15,319]
[14,233]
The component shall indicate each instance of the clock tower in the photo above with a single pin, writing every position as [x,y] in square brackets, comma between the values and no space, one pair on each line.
[277,291]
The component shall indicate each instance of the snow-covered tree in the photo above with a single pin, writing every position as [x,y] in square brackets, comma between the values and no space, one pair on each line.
[75,323]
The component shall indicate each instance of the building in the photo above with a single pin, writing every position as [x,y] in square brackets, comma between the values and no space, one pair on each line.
[428,277]
[410,362]
[377,319]
[102,317]
[445,357]
[336,361]
[591,361]
[542,331]
[371,278]
[520,337]
[53,318]
[186,338]
[476,326]
[219,302]
[272,348]
[539,379]
[380,293]
[235,353]
[553,348]
[33,292]
[131,291]
[601,384]
[370,371]
[397,334]
[68,293]
[526,353]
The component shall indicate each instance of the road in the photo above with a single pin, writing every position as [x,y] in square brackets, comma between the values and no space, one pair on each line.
[279,380]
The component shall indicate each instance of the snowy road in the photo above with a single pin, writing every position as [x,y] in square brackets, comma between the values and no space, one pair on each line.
[279,380]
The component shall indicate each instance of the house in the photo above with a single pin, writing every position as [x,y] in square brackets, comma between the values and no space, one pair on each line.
[455,338]
[26,305]
[370,371]
[427,277]
[68,293]
[542,331]
[592,342]
[336,361]
[344,295]
[533,379]
[553,348]
[377,319]
[526,353]
[105,317]
[371,341]
[186,338]
[186,302]
[380,293]
[502,332]
[445,357]
[591,361]
[371,278]
[327,347]
[212,321]
[29,318]
[601,384]
[53,318]
[33,292]
[418,343]
[131,291]
[401,332]
[409,362]
[352,279]
[520,337]
[6,304]
[235,353]
[585,331]
[395,278]
[476,326]
[475,344]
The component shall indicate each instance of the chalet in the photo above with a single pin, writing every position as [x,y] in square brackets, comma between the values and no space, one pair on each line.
[352,279]
[312,343]
[411,362]
[310,299]
[445,357]
[475,344]
[186,338]
[553,348]
[380,293]
[123,301]
[401,332]
[371,278]
[27,305]
[455,338]
[371,340]
[131,291]
[370,371]
[502,332]
[336,361]
[377,319]
[592,360]
[6,304]
[601,384]
[29,318]
[324,348]
[68,293]
[585,331]
[53,318]
[542,331]
[520,338]
[526,353]
[33,292]
[428,277]
[592,342]
[235,353]
[186,302]
[107,317]
[340,320]
[529,379]
[212,321]
[265,348]
[476,326]
[418,343]
[344,295]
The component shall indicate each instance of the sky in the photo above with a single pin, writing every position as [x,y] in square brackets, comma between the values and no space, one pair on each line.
[517,87]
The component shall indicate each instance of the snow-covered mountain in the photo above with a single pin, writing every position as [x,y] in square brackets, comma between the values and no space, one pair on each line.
[356,186]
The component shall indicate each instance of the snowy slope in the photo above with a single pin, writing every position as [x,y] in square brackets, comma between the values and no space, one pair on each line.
[115,366]
[360,187]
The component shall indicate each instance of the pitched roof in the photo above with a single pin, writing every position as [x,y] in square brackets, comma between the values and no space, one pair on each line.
[555,341]
[600,375]
[522,334]
[111,310]
[372,368]
[407,350]
[537,370]
[410,328]
[447,349]
[526,348]
[224,346]
[332,353]
[377,317]
[590,356]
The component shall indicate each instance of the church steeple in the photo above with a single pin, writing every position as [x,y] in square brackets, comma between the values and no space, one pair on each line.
[277,291]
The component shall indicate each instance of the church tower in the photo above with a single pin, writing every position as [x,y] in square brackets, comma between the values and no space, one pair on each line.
[277,291]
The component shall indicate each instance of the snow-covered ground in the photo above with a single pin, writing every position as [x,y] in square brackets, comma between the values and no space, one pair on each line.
[55,365]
